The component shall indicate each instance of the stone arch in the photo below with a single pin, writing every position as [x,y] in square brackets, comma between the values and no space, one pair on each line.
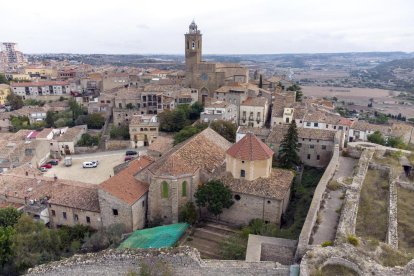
[204,93]
[184,189]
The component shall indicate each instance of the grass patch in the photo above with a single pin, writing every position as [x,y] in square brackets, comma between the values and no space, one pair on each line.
[372,219]
[327,243]
[333,185]
[391,257]
[334,270]
[348,180]
[405,219]
[353,240]
[301,198]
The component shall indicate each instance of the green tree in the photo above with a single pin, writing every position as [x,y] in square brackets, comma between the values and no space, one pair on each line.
[6,242]
[75,108]
[195,111]
[188,132]
[15,101]
[3,79]
[215,196]
[298,90]
[376,138]
[226,129]
[289,147]
[396,142]
[88,140]
[9,216]
[121,132]
[129,106]
[189,213]
[95,121]
[50,122]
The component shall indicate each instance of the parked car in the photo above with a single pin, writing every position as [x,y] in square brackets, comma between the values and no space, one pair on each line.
[53,162]
[47,166]
[131,152]
[43,169]
[128,158]
[68,161]
[89,165]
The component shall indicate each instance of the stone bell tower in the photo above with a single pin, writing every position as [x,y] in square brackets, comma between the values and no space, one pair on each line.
[193,46]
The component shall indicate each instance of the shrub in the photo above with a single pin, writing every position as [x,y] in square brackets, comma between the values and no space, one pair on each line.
[327,243]
[189,213]
[353,240]
[333,185]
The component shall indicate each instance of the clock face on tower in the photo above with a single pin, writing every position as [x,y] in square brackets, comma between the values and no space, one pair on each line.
[204,77]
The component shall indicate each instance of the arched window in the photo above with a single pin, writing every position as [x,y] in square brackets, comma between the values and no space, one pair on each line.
[184,189]
[193,45]
[164,189]
[188,45]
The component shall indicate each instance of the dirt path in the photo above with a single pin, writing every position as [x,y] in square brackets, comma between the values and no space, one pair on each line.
[329,213]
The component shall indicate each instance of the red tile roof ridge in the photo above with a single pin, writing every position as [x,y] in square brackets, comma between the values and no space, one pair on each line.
[250,148]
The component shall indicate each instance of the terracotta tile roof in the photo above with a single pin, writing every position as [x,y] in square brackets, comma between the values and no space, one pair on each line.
[279,131]
[365,126]
[44,133]
[40,83]
[70,134]
[256,101]
[250,148]
[59,192]
[124,185]
[205,151]
[276,186]
[255,130]
[162,144]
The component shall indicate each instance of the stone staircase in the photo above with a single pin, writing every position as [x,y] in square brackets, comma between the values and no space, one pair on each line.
[206,239]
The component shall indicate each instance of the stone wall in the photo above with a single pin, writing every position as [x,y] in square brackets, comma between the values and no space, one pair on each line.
[249,207]
[59,219]
[80,150]
[107,203]
[392,233]
[117,144]
[173,261]
[316,201]
[349,256]
[347,221]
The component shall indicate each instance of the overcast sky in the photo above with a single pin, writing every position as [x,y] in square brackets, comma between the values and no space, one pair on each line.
[228,27]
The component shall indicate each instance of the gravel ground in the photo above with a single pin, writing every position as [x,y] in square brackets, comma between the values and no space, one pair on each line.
[107,161]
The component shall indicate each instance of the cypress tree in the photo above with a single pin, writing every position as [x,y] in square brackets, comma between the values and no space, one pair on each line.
[289,147]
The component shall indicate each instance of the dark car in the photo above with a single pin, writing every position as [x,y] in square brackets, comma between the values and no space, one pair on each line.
[131,152]
[128,158]
[53,162]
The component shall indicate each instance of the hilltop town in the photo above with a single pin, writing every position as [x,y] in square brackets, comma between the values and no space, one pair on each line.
[199,168]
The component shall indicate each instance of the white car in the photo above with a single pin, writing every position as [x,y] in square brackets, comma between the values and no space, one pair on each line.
[95,162]
[89,164]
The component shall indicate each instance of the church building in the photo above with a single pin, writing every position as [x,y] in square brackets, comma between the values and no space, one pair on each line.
[259,191]
[207,77]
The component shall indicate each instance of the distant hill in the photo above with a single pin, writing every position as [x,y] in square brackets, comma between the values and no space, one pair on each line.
[399,72]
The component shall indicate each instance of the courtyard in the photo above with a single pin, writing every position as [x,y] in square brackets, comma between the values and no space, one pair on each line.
[107,161]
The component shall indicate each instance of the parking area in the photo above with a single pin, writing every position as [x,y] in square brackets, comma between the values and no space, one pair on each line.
[107,161]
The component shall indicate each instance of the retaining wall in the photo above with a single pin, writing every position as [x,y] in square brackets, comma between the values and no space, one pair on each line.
[347,220]
[117,144]
[310,221]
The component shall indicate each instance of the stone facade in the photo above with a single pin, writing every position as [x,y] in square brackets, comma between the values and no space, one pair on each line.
[114,210]
[247,207]
[206,76]
[143,130]
[63,215]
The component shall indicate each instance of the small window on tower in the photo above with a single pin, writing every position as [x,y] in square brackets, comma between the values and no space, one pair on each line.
[193,45]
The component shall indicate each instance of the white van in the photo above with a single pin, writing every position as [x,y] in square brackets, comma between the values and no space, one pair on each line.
[89,165]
